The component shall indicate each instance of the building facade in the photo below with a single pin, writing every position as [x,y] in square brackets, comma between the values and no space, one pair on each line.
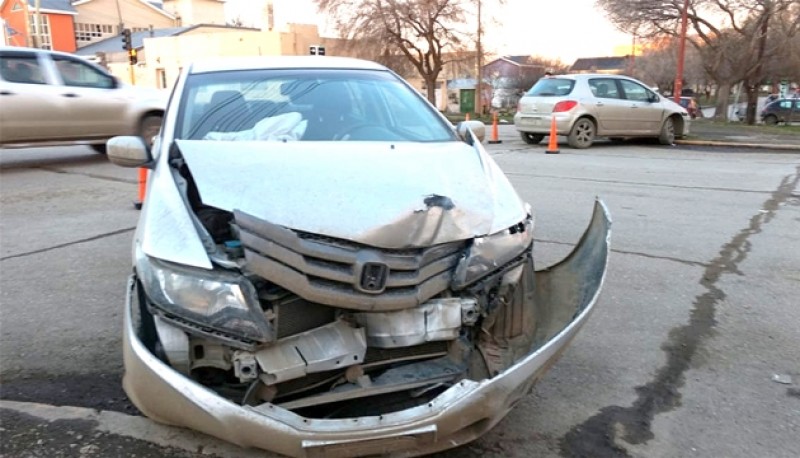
[49,27]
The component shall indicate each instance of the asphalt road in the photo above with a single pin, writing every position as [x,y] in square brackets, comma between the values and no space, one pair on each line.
[692,351]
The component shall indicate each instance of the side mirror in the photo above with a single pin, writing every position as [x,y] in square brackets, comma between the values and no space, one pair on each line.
[478,130]
[128,151]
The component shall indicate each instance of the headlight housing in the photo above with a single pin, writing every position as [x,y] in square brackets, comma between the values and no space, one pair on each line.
[490,253]
[223,301]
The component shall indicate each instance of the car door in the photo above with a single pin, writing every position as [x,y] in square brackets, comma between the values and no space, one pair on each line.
[608,106]
[31,109]
[794,114]
[643,114]
[97,108]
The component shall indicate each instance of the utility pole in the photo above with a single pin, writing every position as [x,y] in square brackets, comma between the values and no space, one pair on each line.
[479,51]
[37,42]
[678,86]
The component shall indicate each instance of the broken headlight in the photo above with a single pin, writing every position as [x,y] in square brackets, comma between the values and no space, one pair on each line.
[492,252]
[223,301]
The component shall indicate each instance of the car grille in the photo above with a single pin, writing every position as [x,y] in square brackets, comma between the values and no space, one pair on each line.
[344,274]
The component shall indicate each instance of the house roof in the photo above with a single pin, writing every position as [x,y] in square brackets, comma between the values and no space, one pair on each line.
[519,61]
[51,6]
[600,63]
[152,5]
[114,44]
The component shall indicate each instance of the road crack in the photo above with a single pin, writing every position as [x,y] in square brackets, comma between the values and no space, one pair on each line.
[638,253]
[67,244]
[601,435]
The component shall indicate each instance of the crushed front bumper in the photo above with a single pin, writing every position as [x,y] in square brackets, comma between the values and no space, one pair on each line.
[565,293]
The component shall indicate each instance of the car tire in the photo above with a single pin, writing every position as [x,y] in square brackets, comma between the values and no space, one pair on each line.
[770,120]
[149,127]
[531,139]
[582,134]
[99,148]
[667,135]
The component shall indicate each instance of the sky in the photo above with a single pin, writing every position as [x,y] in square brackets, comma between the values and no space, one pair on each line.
[558,29]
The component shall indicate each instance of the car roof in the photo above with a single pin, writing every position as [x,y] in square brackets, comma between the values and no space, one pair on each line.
[282,62]
[583,76]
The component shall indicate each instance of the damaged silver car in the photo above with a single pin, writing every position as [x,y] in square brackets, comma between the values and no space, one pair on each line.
[325,266]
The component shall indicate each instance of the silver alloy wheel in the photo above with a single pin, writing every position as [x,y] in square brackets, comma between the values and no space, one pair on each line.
[582,134]
[149,128]
[667,136]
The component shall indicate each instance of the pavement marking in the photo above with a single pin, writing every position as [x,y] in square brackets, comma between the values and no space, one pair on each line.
[136,427]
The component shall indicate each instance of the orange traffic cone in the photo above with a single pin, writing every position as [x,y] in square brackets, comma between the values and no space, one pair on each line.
[552,145]
[494,130]
[142,187]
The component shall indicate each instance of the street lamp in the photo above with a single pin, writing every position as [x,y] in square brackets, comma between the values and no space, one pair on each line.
[681,53]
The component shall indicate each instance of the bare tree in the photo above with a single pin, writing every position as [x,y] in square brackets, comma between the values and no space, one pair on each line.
[730,35]
[424,31]
[657,64]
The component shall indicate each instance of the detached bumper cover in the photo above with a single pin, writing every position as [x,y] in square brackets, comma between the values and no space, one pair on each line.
[566,294]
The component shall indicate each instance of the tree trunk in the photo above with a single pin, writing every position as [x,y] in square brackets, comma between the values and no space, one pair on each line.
[752,101]
[430,83]
[723,93]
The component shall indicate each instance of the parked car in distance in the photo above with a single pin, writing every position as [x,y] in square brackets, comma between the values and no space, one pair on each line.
[587,106]
[325,266]
[54,98]
[781,110]
[691,106]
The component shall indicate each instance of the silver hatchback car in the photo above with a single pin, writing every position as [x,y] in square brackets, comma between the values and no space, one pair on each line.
[587,106]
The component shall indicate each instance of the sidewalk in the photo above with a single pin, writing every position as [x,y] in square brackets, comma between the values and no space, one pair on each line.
[711,133]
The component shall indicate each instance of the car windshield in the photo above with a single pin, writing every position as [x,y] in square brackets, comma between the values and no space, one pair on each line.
[307,104]
[552,87]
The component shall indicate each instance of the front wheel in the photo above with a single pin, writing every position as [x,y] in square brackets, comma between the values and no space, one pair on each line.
[531,139]
[149,128]
[582,134]
[667,135]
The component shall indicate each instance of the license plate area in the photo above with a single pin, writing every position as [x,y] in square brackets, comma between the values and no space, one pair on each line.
[407,440]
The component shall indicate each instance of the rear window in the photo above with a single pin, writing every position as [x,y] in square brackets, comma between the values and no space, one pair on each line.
[552,87]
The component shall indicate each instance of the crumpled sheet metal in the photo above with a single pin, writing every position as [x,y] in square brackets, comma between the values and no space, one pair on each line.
[462,413]
[375,193]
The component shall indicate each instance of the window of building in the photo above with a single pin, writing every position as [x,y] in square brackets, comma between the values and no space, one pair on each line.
[161,78]
[92,32]
[42,37]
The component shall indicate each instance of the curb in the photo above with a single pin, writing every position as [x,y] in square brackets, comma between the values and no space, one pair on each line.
[783,147]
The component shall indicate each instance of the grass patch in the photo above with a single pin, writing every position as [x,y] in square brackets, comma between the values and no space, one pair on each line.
[746,128]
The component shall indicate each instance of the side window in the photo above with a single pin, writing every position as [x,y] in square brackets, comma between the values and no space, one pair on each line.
[604,88]
[635,91]
[19,68]
[76,73]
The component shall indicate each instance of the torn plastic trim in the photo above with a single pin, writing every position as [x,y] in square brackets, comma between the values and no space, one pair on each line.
[437,319]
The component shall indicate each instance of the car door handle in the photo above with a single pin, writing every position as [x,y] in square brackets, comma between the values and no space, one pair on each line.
[600,104]
[70,94]
[634,106]
[6,93]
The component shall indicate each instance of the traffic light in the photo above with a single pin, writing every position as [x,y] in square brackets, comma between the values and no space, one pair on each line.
[316,50]
[127,45]
[133,56]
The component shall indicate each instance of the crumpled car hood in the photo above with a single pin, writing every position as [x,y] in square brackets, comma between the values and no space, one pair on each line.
[388,195]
